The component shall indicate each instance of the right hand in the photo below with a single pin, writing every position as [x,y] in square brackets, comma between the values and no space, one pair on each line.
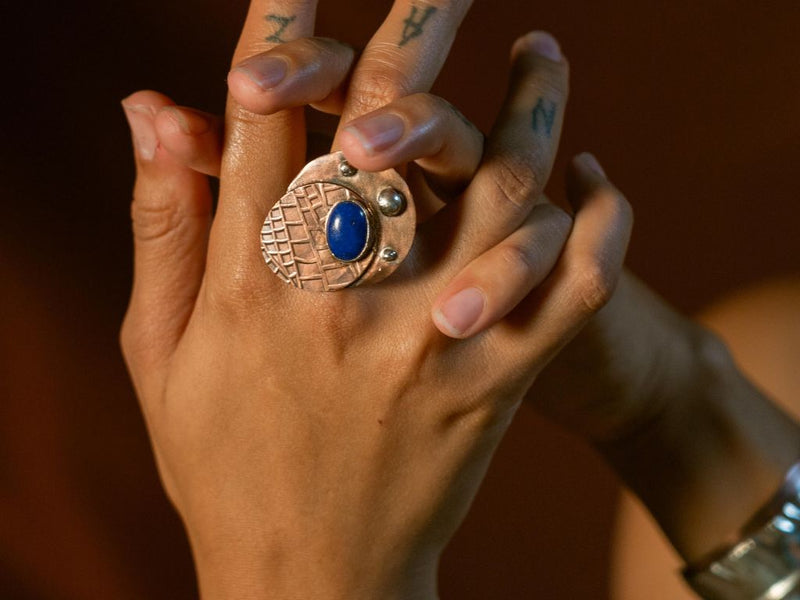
[355,471]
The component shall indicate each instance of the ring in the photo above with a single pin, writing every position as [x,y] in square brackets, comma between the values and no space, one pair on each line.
[338,227]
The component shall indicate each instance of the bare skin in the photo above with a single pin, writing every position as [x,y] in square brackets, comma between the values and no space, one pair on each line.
[328,445]
[646,372]
[762,329]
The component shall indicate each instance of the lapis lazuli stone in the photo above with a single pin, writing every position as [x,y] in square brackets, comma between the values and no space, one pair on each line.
[347,230]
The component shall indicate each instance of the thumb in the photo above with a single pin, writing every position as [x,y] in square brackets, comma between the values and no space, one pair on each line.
[170,213]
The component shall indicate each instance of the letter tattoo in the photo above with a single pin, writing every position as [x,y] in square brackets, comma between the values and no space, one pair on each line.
[543,117]
[283,23]
[413,28]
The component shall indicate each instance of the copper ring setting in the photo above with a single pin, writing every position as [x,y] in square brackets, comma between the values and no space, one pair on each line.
[338,227]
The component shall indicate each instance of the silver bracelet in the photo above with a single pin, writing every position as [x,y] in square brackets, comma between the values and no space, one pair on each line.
[765,563]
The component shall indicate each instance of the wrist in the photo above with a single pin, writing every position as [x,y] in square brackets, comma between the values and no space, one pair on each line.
[715,451]
[283,569]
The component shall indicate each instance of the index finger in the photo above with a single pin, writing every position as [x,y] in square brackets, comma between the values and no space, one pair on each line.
[272,22]
[247,186]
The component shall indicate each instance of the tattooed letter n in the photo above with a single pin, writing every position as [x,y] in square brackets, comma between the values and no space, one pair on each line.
[282,23]
[412,26]
[544,117]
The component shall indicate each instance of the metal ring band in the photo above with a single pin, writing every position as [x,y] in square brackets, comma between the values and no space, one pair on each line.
[338,227]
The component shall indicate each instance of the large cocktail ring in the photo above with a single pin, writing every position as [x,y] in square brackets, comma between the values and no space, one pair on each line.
[338,227]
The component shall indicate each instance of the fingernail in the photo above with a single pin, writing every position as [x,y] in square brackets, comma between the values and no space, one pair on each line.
[461,311]
[265,71]
[189,121]
[590,162]
[377,133]
[544,44]
[141,120]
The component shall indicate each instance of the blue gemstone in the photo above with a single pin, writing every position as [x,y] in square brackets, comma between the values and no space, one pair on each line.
[347,230]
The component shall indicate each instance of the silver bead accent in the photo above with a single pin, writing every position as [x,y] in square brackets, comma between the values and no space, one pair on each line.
[391,202]
[389,254]
[346,169]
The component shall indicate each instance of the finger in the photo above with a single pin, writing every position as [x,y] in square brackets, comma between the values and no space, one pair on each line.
[421,128]
[405,55]
[305,71]
[521,148]
[272,22]
[261,154]
[587,272]
[493,284]
[170,213]
[192,138]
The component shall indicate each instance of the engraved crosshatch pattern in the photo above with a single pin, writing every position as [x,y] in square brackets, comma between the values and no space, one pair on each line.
[294,243]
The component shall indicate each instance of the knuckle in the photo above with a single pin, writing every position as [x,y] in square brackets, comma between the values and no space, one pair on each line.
[137,342]
[594,285]
[379,80]
[236,293]
[516,258]
[154,218]
[514,183]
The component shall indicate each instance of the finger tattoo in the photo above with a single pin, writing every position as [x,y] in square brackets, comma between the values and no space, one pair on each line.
[544,116]
[412,26]
[282,23]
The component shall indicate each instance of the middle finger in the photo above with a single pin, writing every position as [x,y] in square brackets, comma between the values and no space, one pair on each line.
[405,55]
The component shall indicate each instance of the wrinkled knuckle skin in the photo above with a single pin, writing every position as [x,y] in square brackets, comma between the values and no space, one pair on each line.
[515,184]
[154,219]
[595,284]
[378,82]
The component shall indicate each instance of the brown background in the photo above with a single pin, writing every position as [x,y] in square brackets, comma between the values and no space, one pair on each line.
[691,106]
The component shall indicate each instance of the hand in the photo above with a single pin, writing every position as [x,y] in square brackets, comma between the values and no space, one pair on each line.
[339,436]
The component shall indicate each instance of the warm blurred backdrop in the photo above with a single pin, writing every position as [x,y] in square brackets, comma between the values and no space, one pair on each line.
[691,106]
